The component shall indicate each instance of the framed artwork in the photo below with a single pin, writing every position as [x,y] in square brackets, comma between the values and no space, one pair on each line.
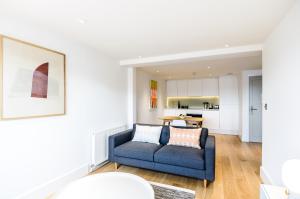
[153,94]
[32,80]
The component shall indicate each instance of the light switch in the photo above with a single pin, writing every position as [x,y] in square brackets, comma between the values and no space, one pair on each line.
[266,106]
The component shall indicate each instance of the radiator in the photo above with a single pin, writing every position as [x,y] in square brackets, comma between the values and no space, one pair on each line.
[99,154]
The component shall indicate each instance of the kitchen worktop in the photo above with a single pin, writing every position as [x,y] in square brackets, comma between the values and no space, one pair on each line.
[185,109]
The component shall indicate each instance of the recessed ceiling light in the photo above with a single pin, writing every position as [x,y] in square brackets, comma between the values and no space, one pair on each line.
[82,21]
[157,71]
[208,67]
[227,45]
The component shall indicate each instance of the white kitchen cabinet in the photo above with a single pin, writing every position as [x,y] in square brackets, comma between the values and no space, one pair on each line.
[211,119]
[210,87]
[182,88]
[194,111]
[175,112]
[194,87]
[228,89]
[169,112]
[172,112]
[229,117]
[172,88]
[180,112]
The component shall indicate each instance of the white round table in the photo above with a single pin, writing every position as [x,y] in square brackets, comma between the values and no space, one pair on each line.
[111,185]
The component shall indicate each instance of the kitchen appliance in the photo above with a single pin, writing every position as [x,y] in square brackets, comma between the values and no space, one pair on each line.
[206,105]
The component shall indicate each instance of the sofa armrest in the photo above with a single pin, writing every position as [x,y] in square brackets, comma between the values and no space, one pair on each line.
[210,158]
[116,140]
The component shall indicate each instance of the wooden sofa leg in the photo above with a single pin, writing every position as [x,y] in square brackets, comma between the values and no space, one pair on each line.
[205,183]
[117,166]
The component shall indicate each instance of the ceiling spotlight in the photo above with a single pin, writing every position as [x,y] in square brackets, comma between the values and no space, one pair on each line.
[208,67]
[82,21]
[227,45]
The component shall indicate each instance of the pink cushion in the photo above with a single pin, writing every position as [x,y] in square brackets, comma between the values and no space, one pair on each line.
[185,137]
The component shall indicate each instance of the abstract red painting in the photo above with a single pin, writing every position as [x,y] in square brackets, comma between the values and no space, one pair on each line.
[153,94]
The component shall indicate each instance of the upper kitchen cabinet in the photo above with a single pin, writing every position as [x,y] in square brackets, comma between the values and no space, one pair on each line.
[172,88]
[228,90]
[182,88]
[210,87]
[195,87]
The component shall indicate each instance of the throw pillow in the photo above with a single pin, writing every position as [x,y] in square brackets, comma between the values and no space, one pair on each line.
[150,134]
[185,137]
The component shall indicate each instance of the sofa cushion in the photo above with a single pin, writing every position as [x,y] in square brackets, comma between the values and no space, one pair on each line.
[203,137]
[147,133]
[137,150]
[165,135]
[185,137]
[180,156]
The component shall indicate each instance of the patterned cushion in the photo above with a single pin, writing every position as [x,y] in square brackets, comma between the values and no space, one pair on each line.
[185,137]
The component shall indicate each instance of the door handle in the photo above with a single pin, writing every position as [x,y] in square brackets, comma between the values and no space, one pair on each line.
[253,109]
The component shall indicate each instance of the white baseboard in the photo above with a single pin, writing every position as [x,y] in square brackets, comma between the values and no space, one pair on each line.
[94,168]
[224,132]
[241,139]
[54,185]
[265,177]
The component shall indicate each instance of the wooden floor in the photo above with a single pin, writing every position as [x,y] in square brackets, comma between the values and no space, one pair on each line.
[237,172]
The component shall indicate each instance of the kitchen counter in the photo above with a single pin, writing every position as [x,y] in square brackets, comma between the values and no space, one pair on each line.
[211,116]
[185,109]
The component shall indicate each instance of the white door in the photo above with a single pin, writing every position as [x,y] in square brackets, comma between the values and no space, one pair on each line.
[195,87]
[210,87]
[171,88]
[255,109]
[182,88]
[228,86]
[229,117]
[211,119]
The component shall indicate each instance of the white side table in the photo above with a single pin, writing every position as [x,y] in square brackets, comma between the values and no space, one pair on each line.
[272,192]
[112,185]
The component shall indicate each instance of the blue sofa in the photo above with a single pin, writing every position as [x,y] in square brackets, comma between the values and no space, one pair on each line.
[185,161]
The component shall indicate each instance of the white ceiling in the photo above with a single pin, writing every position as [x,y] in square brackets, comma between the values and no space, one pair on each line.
[128,29]
[206,68]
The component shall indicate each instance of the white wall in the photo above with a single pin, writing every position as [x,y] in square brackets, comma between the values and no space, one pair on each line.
[131,96]
[144,113]
[281,91]
[244,97]
[34,152]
